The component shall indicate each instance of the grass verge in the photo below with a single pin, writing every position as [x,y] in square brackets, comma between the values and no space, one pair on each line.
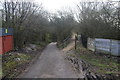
[100,64]
[13,63]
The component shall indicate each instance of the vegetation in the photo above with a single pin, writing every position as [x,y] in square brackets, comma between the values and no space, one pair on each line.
[13,64]
[99,19]
[0,66]
[32,24]
[100,64]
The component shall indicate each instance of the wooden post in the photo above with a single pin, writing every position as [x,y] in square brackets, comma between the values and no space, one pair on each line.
[75,41]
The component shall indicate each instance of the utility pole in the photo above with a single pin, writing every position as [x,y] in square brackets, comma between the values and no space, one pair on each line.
[76,37]
[75,42]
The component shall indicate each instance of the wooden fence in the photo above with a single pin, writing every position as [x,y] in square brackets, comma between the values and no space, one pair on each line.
[108,46]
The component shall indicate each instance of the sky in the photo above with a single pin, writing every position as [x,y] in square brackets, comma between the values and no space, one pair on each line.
[54,5]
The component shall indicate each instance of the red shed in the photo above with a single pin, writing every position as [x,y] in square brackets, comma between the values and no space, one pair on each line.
[6,40]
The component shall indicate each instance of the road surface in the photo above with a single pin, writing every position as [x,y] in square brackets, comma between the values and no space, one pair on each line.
[51,64]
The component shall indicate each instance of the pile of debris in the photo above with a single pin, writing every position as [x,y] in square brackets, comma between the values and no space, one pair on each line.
[30,48]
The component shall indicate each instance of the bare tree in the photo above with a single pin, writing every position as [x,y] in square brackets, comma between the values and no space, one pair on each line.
[25,17]
[99,19]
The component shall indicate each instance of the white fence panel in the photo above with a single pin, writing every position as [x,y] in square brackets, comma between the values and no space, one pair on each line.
[115,48]
[102,45]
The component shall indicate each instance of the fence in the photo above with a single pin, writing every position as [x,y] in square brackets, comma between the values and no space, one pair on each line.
[104,45]
[65,42]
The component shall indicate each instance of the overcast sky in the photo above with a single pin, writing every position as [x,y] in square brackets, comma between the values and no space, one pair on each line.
[54,5]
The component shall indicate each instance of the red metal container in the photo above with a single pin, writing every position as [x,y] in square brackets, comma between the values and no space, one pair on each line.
[6,44]
[1,47]
[6,40]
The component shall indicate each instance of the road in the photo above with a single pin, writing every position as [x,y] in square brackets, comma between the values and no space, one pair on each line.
[51,64]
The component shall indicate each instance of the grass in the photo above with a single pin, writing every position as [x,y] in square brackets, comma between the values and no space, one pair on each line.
[0,65]
[12,61]
[0,73]
[100,64]
[71,55]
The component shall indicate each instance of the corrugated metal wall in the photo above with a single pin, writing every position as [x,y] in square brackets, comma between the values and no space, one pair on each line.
[7,43]
[115,47]
[1,47]
[6,40]
[104,45]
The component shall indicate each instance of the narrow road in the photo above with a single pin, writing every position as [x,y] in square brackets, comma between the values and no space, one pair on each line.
[51,64]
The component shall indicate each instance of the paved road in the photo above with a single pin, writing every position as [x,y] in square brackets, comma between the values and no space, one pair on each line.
[51,64]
